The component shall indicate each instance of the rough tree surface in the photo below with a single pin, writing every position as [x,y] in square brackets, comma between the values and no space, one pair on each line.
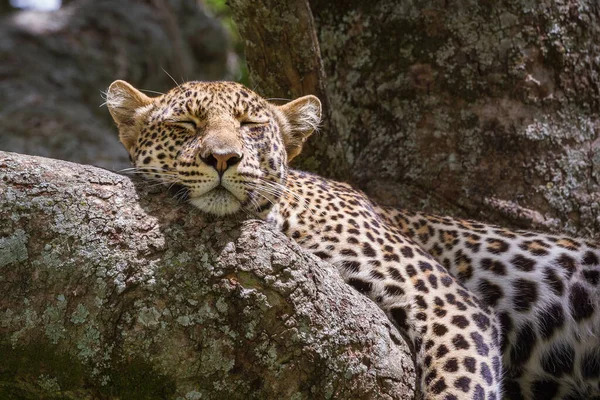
[473,108]
[112,291]
[55,66]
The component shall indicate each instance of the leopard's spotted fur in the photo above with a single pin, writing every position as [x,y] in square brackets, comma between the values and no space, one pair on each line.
[452,287]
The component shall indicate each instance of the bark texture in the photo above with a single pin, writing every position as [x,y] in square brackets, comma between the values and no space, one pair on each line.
[473,108]
[110,290]
[284,59]
[56,65]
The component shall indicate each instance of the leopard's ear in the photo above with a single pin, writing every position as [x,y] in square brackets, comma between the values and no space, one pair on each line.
[302,118]
[127,105]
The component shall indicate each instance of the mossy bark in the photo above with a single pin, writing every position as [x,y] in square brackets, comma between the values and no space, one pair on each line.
[478,109]
[111,289]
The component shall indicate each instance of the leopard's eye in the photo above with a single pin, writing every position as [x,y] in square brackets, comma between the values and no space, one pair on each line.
[252,123]
[187,124]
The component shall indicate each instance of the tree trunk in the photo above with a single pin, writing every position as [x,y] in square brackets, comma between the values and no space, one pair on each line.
[473,108]
[56,65]
[110,290]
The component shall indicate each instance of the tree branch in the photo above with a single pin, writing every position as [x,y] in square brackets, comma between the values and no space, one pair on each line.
[113,290]
[284,59]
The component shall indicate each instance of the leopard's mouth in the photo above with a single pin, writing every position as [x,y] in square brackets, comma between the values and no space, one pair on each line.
[183,192]
[221,192]
[218,201]
[218,193]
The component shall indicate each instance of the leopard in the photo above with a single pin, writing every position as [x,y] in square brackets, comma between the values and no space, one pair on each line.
[488,313]
[544,289]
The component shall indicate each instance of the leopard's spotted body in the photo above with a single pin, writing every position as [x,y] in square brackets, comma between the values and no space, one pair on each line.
[544,289]
[455,289]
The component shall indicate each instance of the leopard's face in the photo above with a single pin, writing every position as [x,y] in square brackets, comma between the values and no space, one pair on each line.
[219,140]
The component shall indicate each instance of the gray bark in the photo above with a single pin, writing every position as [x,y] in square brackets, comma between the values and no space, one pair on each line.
[285,62]
[111,289]
[487,110]
[56,65]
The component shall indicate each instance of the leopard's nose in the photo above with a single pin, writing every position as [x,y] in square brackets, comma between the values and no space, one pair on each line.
[221,162]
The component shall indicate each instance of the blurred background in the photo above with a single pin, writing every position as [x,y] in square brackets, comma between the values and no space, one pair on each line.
[58,56]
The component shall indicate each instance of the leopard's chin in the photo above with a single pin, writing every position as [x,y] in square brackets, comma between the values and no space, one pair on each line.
[219,201]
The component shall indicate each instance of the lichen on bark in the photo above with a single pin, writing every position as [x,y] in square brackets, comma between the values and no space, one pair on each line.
[112,289]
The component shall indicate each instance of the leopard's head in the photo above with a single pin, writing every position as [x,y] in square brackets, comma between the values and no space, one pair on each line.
[229,147]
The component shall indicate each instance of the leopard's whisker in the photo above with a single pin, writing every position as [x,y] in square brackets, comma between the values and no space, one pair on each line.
[268,199]
[286,190]
[279,191]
